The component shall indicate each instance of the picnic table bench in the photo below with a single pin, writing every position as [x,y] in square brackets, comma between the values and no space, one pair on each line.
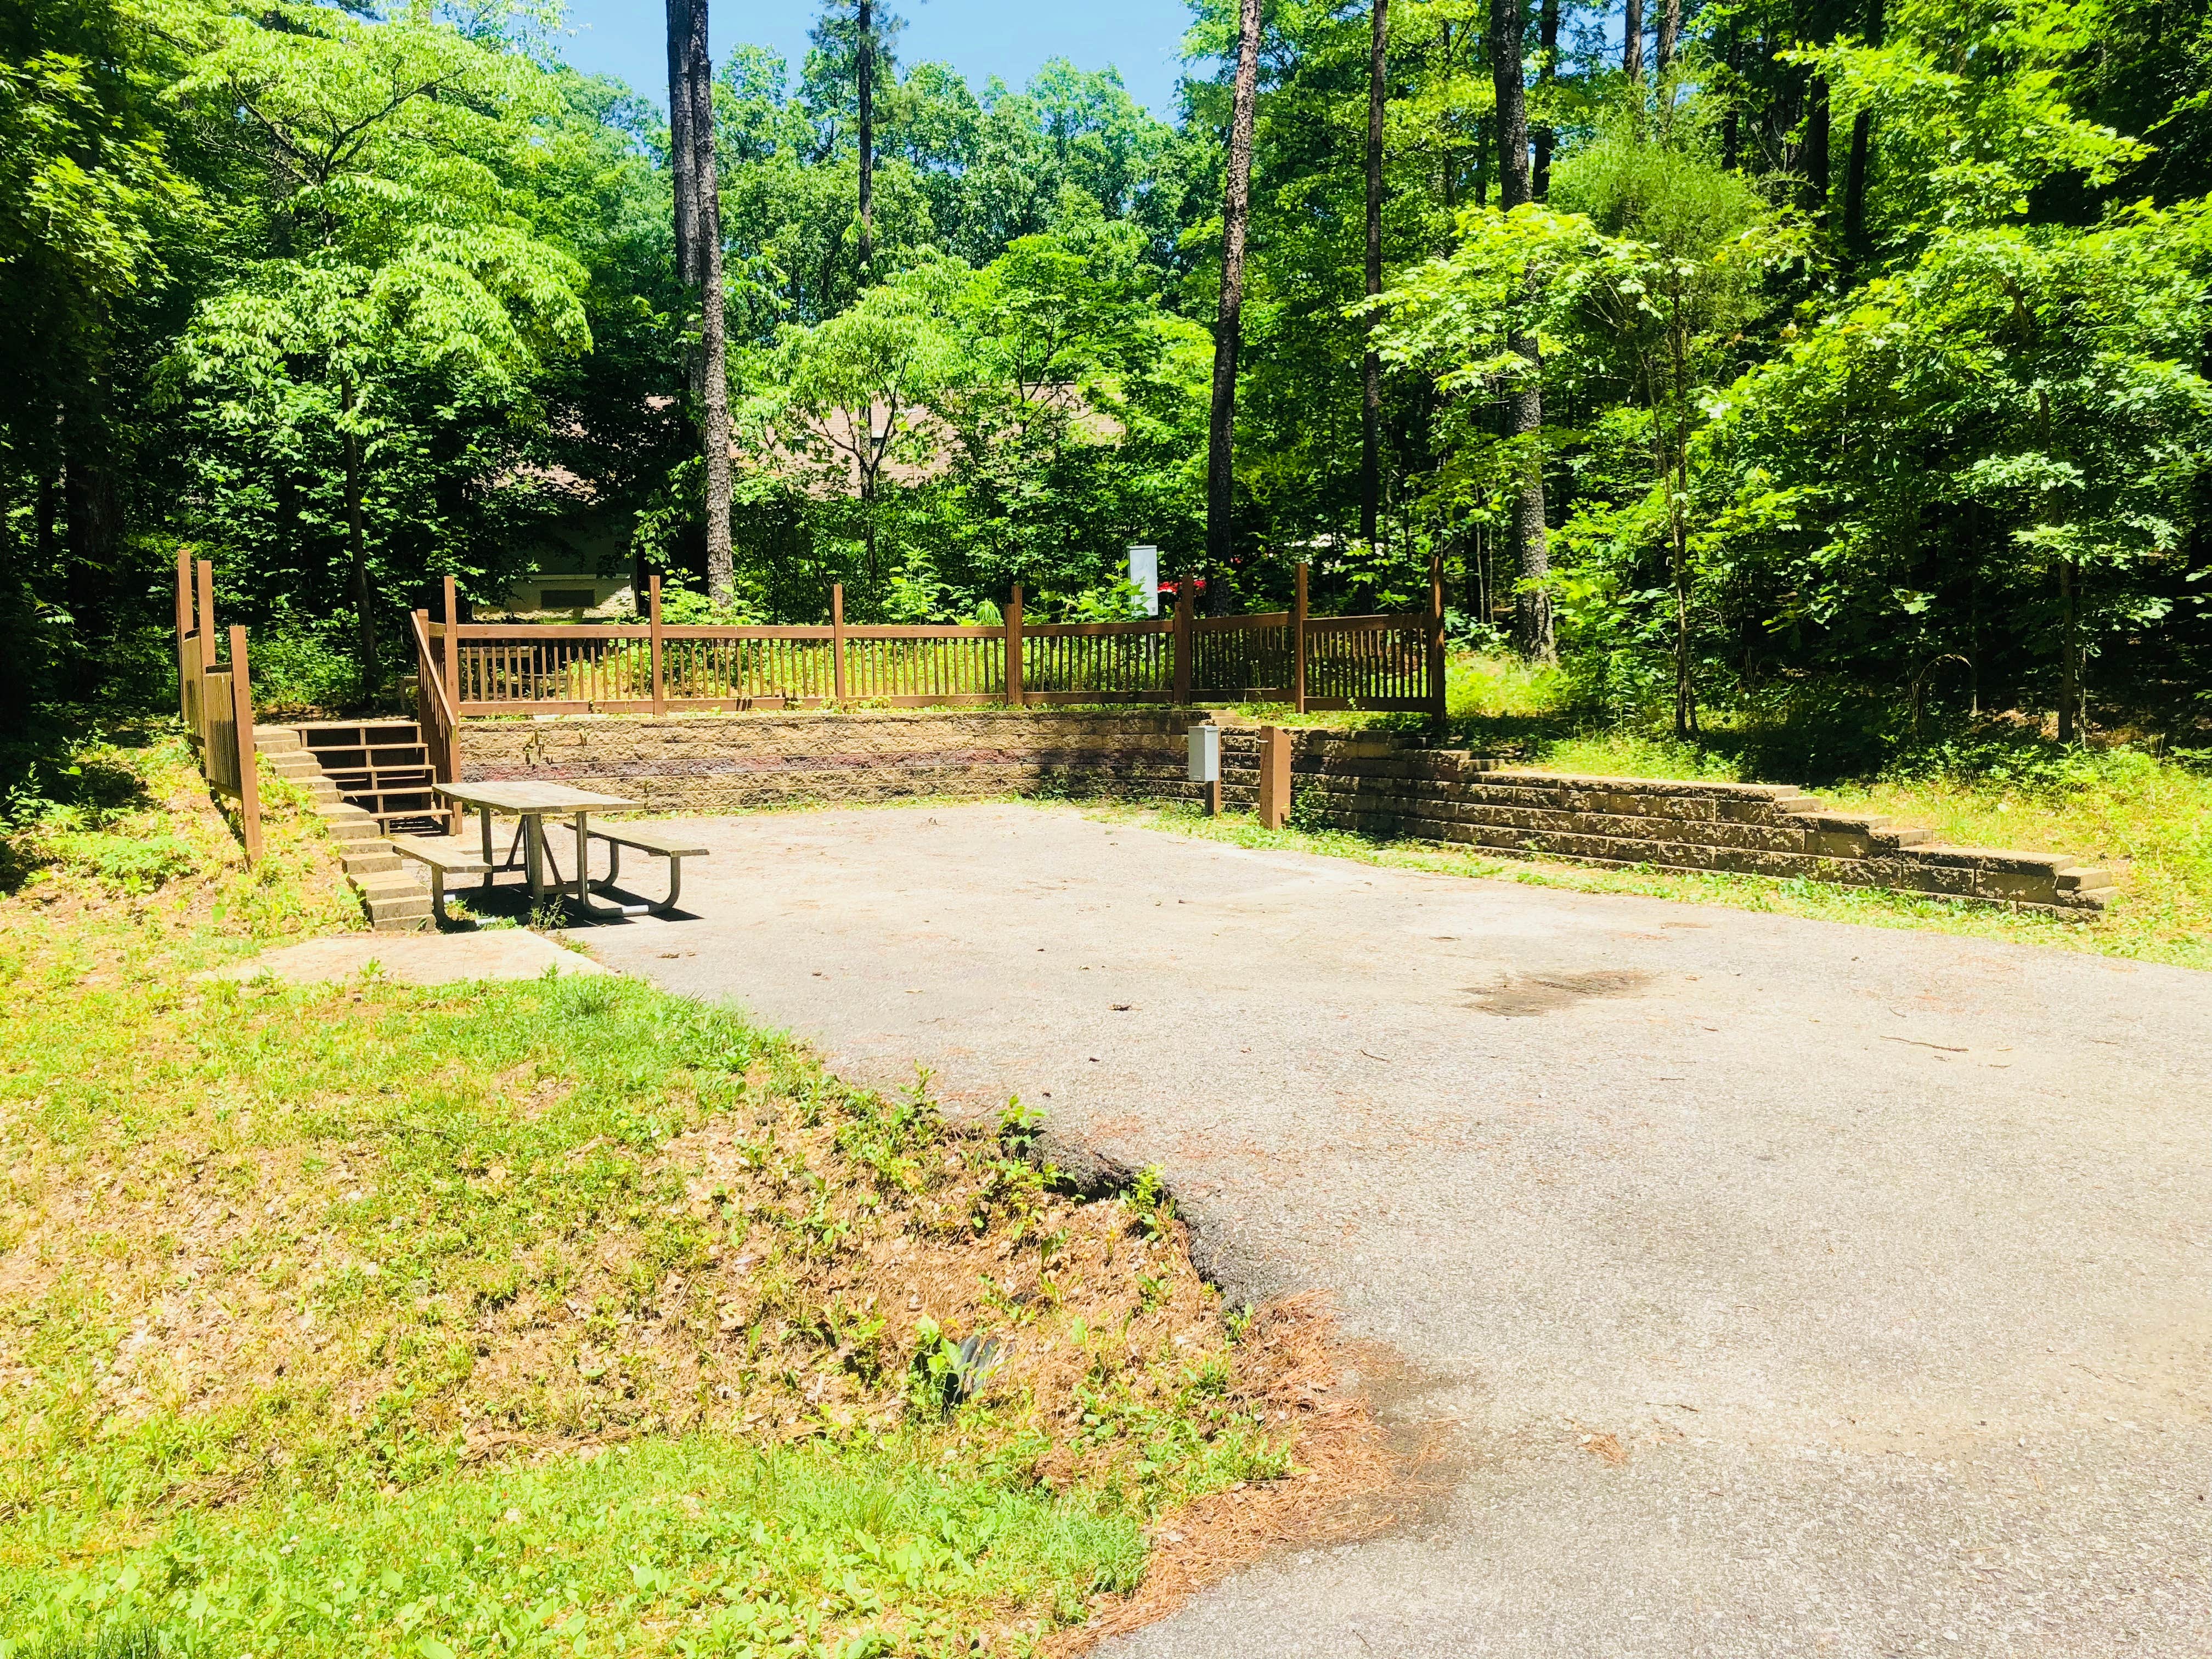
[645,838]
[444,855]
[532,803]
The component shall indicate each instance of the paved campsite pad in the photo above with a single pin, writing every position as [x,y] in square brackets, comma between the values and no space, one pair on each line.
[416,958]
[1776,1286]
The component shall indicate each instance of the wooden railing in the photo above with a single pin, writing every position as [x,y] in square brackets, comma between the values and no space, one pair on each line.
[216,698]
[1384,662]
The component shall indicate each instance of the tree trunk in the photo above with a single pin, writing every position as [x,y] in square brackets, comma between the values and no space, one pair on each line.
[1817,141]
[865,61]
[1632,41]
[1662,57]
[1371,421]
[357,544]
[1731,117]
[699,218]
[43,548]
[1674,477]
[2073,721]
[1532,603]
[1854,170]
[1228,321]
[1547,72]
[681,21]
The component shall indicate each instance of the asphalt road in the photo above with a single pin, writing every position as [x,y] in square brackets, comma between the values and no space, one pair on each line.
[1882,1256]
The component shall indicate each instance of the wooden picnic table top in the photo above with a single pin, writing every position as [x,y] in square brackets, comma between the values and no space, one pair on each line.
[532,797]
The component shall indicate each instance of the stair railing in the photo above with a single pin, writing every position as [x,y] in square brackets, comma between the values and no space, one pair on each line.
[216,698]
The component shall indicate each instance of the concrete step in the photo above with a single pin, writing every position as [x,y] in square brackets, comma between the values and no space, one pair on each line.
[276,740]
[372,863]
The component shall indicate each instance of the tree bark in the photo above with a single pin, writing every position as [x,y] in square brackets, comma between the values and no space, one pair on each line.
[681,20]
[1370,421]
[1228,321]
[699,225]
[357,544]
[1731,117]
[1854,170]
[1548,71]
[1524,410]
[1670,29]
[1818,136]
[864,71]
[1632,41]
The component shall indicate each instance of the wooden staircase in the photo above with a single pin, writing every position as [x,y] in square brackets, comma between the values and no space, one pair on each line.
[381,766]
[366,777]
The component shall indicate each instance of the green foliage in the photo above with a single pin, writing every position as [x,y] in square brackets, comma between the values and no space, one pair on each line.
[1923,410]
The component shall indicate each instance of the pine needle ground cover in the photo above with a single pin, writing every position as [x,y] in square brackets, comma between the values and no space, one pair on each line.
[565,1317]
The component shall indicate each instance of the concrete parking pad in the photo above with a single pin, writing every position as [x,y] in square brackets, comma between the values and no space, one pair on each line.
[1778,1287]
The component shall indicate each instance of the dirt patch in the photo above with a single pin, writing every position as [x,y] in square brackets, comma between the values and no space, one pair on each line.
[1354,1477]
[1519,996]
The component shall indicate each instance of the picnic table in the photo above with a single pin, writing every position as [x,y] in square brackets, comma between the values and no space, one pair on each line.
[532,803]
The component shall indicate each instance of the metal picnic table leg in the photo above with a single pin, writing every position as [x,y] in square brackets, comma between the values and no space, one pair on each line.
[584,901]
[533,855]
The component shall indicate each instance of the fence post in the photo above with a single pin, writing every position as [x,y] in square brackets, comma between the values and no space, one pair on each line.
[1182,643]
[659,685]
[452,653]
[1298,642]
[1274,777]
[1015,695]
[184,629]
[249,779]
[1437,637]
[205,629]
[837,639]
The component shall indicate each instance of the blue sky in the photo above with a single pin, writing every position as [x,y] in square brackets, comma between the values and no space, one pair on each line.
[980,38]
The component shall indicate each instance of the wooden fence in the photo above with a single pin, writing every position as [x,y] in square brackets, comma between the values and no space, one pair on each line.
[216,698]
[1387,662]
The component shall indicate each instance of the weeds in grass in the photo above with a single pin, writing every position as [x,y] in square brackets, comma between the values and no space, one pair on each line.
[368,1319]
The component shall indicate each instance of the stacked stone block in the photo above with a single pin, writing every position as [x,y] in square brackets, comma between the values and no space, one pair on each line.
[705,763]
[1392,786]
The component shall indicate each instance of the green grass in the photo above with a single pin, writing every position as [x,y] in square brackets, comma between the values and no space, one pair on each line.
[561,1315]
[2147,817]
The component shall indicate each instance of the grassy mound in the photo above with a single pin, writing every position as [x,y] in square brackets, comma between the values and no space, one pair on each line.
[566,1315]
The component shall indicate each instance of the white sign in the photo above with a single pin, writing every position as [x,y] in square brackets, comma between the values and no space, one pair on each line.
[1144,576]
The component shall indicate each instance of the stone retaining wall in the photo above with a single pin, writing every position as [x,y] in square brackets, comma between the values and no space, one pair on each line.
[702,763]
[1388,786]
[1376,783]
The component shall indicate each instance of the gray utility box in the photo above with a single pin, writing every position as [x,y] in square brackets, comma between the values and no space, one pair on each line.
[1205,754]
